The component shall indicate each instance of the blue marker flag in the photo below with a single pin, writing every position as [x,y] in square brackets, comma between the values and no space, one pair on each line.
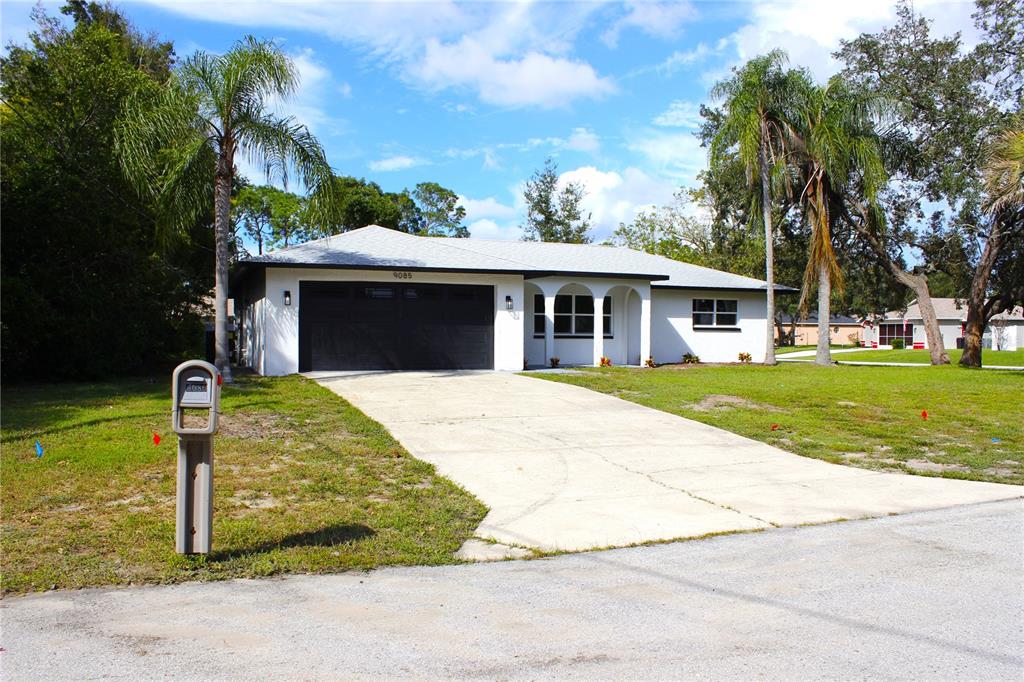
[39,449]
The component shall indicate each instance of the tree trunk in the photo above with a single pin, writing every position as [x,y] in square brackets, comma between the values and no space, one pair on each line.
[221,227]
[936,347]
[824,356]
[976,313]
[917,283]
[769,251]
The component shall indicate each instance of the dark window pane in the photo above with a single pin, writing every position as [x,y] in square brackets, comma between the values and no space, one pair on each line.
[377,292]
[584,305]
[726,319]
[607,309]
[703,319]
[538,303]
[584,324]
[538,324]
[726,306]
[607,323]
[563,324]
[422,294]
[563,303]
[704,305]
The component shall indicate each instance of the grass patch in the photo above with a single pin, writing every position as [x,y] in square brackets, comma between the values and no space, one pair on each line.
[783,350]
[303,481]
[995,358]
[863,416]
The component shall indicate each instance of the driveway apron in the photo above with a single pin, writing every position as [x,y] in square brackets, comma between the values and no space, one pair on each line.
[565,468]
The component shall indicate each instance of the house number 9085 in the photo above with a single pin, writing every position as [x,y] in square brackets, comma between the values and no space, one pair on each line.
[402,275]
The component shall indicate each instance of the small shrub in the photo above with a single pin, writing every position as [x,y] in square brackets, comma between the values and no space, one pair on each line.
[554,362]
[745,358]
[691,359]
[649,362]
[898,344]
[606,362]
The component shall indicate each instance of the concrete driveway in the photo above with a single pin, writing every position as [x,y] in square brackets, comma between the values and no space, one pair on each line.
[566,468]
[930,596]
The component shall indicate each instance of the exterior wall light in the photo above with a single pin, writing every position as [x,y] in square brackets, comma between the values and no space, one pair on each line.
[287,297]
[508,303]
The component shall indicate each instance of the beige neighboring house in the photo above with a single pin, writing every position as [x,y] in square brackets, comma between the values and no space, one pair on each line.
[842,330]
[1004,332]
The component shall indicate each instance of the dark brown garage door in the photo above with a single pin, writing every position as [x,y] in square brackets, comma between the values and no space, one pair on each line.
[375,325]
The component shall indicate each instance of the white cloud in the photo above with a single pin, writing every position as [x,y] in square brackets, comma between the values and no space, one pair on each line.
[659,19]
[489,229]
[308,104]
[535,79]
[673,154]
[345,89]
[583,140]
[489,207]
[397,163]
[811,30]
[512,54]
[680,114]
[612,197]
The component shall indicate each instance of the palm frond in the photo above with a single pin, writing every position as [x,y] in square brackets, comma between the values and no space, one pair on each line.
[165,155]
[287,150]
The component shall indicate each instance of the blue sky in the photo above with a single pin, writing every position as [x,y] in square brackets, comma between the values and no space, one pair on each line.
[476,95]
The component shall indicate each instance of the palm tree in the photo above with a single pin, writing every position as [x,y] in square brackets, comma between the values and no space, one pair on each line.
[839,153]
[759,119]
[179,147]
[1004,171]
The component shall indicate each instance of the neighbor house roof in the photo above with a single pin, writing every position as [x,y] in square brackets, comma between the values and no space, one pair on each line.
[948,309]
[376,247]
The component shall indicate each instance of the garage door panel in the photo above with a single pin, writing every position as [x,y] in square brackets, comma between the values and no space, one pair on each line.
[372,325]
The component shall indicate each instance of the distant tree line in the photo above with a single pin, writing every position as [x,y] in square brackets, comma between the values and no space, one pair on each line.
[271,218]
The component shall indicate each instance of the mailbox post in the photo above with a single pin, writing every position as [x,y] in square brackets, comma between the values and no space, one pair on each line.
[195,389]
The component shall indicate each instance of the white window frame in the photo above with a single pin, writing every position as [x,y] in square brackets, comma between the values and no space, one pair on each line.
[539,316]
[716,310]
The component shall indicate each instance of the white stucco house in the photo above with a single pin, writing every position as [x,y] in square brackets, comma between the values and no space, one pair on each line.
[1005,331]
[375,298]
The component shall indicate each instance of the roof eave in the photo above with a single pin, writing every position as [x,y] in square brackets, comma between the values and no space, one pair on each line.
[779,288]
[527,274]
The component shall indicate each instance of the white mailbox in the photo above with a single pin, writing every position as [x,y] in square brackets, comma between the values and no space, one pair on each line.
[196,393]
[195,404]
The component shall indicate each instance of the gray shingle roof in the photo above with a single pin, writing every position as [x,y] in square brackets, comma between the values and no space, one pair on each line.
[379,247]
[947,309]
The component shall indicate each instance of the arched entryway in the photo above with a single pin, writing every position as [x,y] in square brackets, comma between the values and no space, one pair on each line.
[579,322]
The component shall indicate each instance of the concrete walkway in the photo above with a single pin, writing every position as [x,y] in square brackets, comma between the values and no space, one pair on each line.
[930,596]
[563,467]
[870,363]
[813,352]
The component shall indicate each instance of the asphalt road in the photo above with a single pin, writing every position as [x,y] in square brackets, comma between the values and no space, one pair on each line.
[929,595]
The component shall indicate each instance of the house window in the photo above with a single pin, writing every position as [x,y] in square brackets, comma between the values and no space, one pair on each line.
[574,316]
[887,333]
[711,312]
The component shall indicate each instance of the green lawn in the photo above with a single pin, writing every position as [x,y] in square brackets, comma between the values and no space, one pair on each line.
[1001,358]
[862,416]
[303,481]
